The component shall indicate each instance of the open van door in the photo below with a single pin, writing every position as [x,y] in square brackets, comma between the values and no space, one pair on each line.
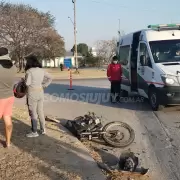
[133,61]
[124,55]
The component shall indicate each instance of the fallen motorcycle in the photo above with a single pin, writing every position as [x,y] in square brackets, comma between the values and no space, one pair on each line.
[90,127]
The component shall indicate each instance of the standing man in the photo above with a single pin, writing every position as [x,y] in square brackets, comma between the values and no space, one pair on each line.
[61,67]
[7,79]
[114,73]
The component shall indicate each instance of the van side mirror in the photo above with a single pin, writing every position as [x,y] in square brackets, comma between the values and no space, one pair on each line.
[143,60]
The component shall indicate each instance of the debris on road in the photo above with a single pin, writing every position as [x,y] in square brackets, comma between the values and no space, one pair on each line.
[51,119]
[114,172]
[125,169]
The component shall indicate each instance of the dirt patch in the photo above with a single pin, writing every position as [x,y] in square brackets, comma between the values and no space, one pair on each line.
[42,158]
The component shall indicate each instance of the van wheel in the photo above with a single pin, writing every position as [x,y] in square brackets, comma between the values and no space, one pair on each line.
[154,101]
[125,93]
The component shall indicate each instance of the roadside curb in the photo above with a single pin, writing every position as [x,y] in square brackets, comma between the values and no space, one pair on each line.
[74,78]
[81,78]
[97,172]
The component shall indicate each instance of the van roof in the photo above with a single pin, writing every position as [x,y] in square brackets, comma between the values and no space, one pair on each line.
[152,35]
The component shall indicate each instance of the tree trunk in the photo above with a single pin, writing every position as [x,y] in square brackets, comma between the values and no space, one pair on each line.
[99,64]
[54,62]
[21,65]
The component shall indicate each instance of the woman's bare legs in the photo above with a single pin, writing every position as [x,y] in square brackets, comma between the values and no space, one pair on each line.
[8,129]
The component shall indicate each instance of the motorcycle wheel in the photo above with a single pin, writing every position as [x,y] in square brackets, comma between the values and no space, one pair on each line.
[111,140]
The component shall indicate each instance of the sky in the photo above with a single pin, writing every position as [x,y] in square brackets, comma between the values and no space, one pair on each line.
[99,19]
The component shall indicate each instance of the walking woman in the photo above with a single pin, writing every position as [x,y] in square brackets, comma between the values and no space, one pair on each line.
[7,79]
[36,80]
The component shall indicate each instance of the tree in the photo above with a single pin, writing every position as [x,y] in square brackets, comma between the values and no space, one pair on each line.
[82,48]
[90,60]
[53,45]
[23,29]
[106,49]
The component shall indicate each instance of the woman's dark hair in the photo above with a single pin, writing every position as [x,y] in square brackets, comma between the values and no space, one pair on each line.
[32,62]
[114,58]
[3,51]
[6,64]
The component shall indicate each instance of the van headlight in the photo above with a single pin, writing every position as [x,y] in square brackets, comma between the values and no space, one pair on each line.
[169,80]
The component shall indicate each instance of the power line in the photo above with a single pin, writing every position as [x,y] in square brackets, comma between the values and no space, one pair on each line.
[122,6]
[107,3]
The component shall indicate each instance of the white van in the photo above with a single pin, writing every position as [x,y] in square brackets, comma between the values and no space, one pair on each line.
[151,64]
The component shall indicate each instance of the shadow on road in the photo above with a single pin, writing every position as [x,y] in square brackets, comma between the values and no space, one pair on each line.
[107,157]
[52,158]
[94,95]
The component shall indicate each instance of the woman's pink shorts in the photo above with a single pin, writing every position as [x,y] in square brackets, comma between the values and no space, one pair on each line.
[6,106]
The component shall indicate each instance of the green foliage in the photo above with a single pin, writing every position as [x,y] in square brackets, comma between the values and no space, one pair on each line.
[90,60]
[82,48]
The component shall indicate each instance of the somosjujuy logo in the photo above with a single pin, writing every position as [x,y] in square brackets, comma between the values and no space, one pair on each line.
[96,98]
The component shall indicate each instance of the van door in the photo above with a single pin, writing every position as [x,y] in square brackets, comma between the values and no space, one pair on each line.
[134,56]
[124,55]
[144,69]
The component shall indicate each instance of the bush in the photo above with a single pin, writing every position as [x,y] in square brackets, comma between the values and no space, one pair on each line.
[91,61]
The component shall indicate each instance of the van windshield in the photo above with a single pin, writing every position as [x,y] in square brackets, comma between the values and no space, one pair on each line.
[165,50]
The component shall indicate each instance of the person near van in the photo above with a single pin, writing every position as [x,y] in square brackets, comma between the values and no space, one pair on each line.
[36,80]
[7,79]
[114,73]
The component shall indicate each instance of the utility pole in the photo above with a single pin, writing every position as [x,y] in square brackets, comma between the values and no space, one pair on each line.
[119,32]
[75,36]
[119,37]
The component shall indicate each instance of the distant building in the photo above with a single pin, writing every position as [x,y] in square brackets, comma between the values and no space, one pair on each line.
[68,61]
[93,51]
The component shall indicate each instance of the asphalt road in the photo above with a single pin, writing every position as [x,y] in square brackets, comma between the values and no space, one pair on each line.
[157,134]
